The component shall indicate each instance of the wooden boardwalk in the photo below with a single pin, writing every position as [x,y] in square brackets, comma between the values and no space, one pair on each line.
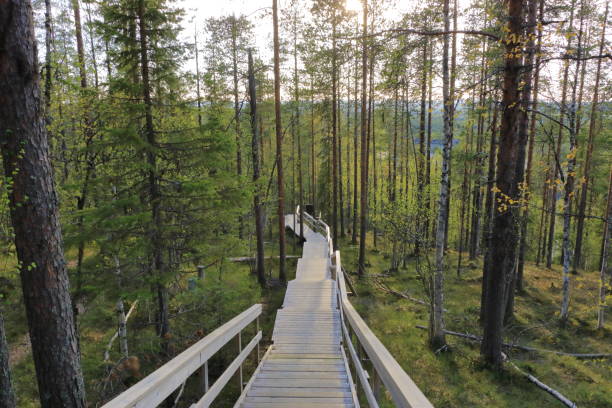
[306,366]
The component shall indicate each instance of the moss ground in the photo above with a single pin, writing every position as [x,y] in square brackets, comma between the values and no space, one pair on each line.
[457,378]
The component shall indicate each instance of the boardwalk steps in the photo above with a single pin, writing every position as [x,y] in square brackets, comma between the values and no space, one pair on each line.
[306,366]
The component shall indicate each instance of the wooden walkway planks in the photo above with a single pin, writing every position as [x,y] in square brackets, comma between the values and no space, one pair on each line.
[305,366]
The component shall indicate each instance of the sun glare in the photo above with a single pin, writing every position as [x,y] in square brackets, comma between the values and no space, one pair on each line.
[353,5]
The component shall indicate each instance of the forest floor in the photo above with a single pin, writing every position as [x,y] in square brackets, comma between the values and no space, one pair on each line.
[227,290]
[457,378]
[450,379]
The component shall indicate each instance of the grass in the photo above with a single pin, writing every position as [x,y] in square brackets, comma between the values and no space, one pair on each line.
[457,378]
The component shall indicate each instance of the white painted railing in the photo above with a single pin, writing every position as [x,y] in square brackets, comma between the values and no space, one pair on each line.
[359,337]
[159,385]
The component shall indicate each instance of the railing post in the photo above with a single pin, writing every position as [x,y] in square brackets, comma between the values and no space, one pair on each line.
[257,331]
[204,378]
[376,384]
[240,351]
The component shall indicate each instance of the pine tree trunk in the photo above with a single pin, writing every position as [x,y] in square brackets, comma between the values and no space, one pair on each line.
[48,60]
[589,151]
[489,206]
[234,34]
[505,230]
[569,182]
[355,151]
[155,229]
[428,191]
[257,206]
[371,141]
[334,137]
[33,204]
[522,136]
[529,102]
[7,395]
[279,146]
[363,204]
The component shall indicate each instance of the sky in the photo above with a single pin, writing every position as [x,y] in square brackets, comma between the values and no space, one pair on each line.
[260,13]
[255,9]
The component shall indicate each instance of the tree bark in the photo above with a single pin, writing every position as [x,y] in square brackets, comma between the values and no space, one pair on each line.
[34,212]
[489,207]
[505,231]
[7,395]
[279,146]
[48,60]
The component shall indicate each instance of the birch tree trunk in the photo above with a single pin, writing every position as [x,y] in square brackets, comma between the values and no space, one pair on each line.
[122,329]
[437,337]
[557,171]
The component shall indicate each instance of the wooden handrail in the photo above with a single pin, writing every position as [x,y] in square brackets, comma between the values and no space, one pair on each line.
[403,390]
[157,386]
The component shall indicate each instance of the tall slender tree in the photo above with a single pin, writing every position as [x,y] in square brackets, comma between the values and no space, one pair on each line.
[257,206]
[436,336]
[279,145]
[363,202]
